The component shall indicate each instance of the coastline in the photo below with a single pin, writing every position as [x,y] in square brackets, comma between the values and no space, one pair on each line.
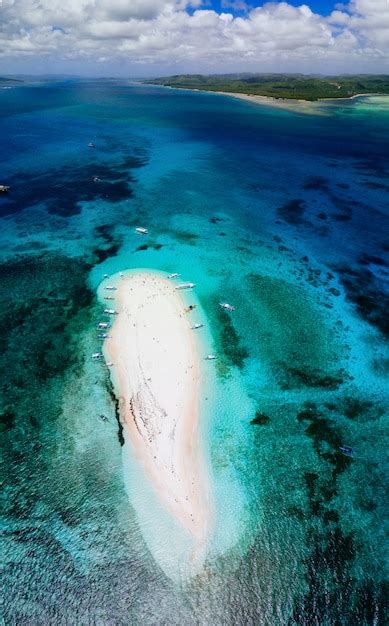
[157,379]
[310,107]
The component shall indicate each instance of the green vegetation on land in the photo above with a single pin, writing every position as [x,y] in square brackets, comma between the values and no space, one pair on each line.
[293,86]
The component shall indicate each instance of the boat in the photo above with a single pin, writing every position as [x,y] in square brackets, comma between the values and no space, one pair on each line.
[346,450]
[105,275]
[210,357]
[110,288]
[174,275]
[141,231]
[196,326]
[103,417]
[109,298]
[96,356]
[186,286]
[110,311]
[96,179]
[91,144]
[226,306]
[103,325]
[104,336]
[4,188]
[109,364]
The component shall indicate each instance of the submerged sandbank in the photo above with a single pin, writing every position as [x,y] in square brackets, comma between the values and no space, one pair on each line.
[157,379]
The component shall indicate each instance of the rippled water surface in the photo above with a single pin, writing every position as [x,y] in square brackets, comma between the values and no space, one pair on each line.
[284,215]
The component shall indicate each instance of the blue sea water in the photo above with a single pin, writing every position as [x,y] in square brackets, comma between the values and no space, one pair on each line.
[283,214]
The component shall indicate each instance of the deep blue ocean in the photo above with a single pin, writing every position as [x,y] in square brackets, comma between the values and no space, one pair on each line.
[284,214]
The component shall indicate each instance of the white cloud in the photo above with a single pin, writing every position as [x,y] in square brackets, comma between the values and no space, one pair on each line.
[161,34]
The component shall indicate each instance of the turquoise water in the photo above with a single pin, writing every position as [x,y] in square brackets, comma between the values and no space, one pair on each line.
[282,214]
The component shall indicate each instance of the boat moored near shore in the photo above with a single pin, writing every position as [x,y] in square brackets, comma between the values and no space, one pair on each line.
[186,286]
[226,306]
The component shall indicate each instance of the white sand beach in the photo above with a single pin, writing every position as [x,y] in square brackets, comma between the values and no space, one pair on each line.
[296,106]
[308,107]
[156,376]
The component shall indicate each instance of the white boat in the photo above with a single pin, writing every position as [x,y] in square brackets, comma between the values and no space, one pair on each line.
[4,188]
[91,144]
[103,325]
[141,231]
[105,336]
[110,288]
[96,356]
[110,311]
[105,275]
[109,298]
[210,357]
[186,286]
[109,364]
[196,326]
[174,275]
[226,306]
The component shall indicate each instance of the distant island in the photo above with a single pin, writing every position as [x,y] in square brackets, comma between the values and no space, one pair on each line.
[6,79]
[281,86]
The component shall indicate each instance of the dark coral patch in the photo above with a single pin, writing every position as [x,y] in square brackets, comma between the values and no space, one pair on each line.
[101,254]
[371,259]
[317,183]
[235,352]
[110,244]
[292,212]
[62,190]
[316,378]
[260,419]
[364,291]
[44,300]
[7,419]
[332,552]
[216,220]
[355,408]
[185,237]
[370,184]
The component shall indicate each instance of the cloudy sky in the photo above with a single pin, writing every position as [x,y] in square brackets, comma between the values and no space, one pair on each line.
[155,37]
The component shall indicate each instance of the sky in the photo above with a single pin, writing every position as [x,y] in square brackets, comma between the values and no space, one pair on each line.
[318,6]
[160,37]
